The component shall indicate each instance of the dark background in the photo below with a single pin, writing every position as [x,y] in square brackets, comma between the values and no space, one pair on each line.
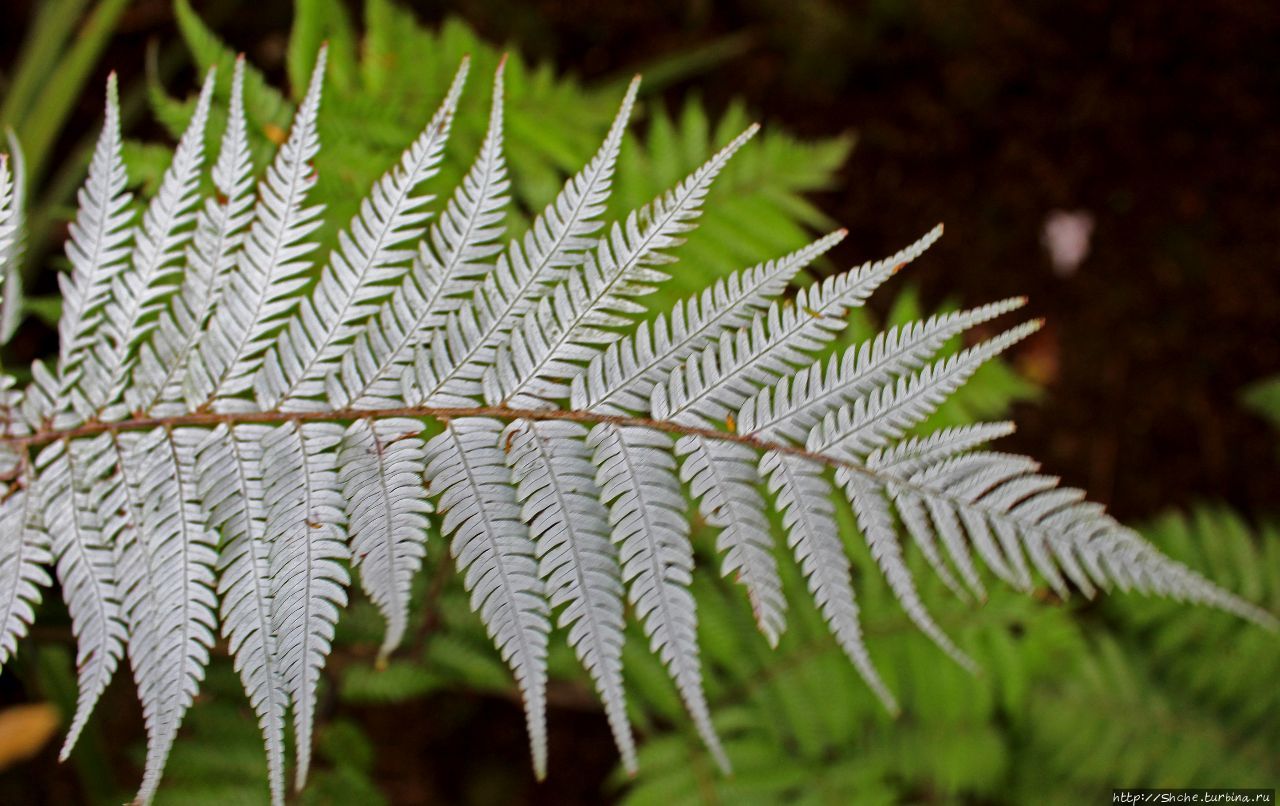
[1159,118]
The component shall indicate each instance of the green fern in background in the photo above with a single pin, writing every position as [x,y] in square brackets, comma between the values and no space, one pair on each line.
[1054,718]
[1148,704]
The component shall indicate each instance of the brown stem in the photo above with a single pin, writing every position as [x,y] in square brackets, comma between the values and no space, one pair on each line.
[443,413]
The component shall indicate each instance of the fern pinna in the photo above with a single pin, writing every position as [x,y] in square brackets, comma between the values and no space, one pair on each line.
[223,439]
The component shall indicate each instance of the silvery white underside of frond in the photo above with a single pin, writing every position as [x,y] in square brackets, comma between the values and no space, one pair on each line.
[233,431]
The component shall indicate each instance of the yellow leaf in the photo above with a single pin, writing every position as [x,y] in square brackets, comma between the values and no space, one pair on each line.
[24,729]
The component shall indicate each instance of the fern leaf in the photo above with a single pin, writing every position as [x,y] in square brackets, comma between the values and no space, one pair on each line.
[305,528]
[722,477]
[808,515]
[884,416]
[915,520]
[1060,531]
[443,271]
[787,411]
[86,573]
[876,524]
[897,406]
[358,274]
[911,455]
[166,579]
[916,453]
[551,467]
[228,469]
[24,555]
[138,291]
[261,291]
[637,477]
[467,470]
[211,257]
[380,467]
[97,250]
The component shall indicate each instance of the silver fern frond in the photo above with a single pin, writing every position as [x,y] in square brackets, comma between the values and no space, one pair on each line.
[227,434]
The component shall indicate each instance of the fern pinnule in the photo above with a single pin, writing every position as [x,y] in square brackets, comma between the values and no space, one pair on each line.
[359,272]
[10,218]
[166,569]
[228,477]
[139,291]
[380,467]
[97,249]
[12,238]
[528,269]
[305,523]
[262,289]
[430,372]
[467,471]
[211,257]
[637,478]
[808,515]
[555,484]
[86,571]
[447,266]
[24,558]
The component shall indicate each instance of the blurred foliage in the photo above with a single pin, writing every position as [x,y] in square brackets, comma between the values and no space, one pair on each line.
[1263,398]
[41,88]
[48,77]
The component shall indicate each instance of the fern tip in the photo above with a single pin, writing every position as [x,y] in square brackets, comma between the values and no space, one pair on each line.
[1262,618]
